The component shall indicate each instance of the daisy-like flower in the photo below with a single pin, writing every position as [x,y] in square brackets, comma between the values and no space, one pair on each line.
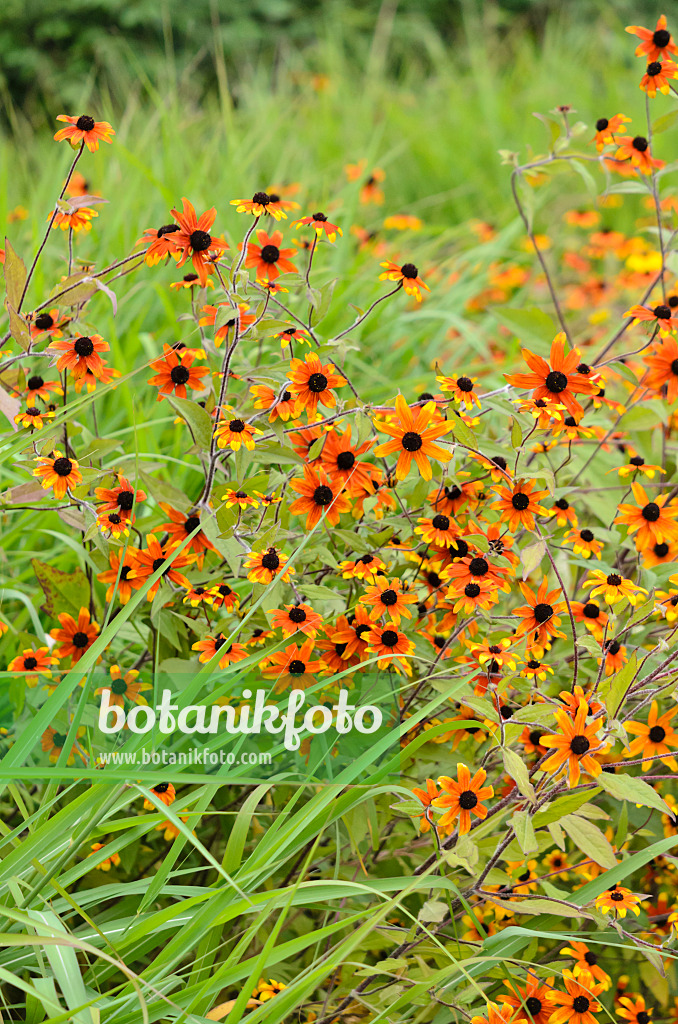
[265,566]
[48,323]
[607,128]
[592,615]
[462,389]
[574,745]
[613,587]
[541,615]
[618,900]
[265,202]
[439,530]
[73,220]
[654,738]
[33,663]
[478,594]
[224,596]
[89,381]
[294,667]
[661,316]
[192,280]
[583,542]
[662,363]
[653,45]
[165,792]
[242,499]
[656,77]
[413,437]
[291,334]
[463,797]
[194,239]
[578,1003]
[160,243]
[296,618]
[497,1014]
[634,1010]
[149,561]
[407,275]
[53,742]
[387,597]
[243,319]
[653,523]
[121,499]
[558,382]
[175,371]
[125,586]
[112,524]
[234,433]
[284,407]
[426,796]
[637,151]
[390,646]
[587,960]
[58,472]
[124,687]
[37,387]
[32,417]
[519,506]
[265,990]
[84,129]
[180,527]
[211,645]
[320,224]
[74,638]
[268,258]
[319,494]
[81,354]
[340,459]
[312,383]
[532,996]
[352,632]
[476,569]
[637,465]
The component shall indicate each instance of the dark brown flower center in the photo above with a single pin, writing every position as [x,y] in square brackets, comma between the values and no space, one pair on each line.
[85,123]
[614,579]
[126,500]
[200,241]
[119,686]
[520,501]
[662,312]
[35,383]
[44,321]
[478,567]
[270,560]
[297,615]
[640,143]
[661,38]
[389,638]
[580,1004]
[601,124]
[270,253]
[345,460]
[167,229]
[80,639]
[83,347]
[467,800]
[440,522]
[471,590]
[262,198]
[543,612]
[297,667]
[317,382]
[579,745]
[411,441]
[655,68]
[236,426]
[32,411]
[466,384]
[30,663]
[651,512]
[191,523]
[657,734]
[389,598]
[62,466]
[179,374]
[556,382]
[323,495]
[591,610]
[586,535]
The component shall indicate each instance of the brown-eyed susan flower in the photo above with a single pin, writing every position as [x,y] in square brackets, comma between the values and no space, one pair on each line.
[473,569]
[321,225]
[165,793]
[124,686]
[233,432]
[58,472]
[558,382]
[89,381]
[615,657]
[519,506]
[638,466]
[390,646]
[210,646]
[587,960]
[413,434]
[33,663]
[577,1004]
[541,614]
[653,44]
[73,220]
[265,566]
[318,495]
[661,316]
[31,418]
[613,587]
[387,597]
[352,632]
[667,604]
[475,595]
[242,319]
[194,239]
[74,638]
[576,747]
[241,499]
[224,597]
[583,542]
[462,389]
[122,498]
[181,526]
[149,561]
[291,334]
[439,530]
[407,275]
[296,618]
[53,742]
[607,128]
[662,364]
[340,460]
[312,383]
[112,524]
[113,859]
[268,258]
[265,990]
[463,798]
[175,372]
[650,520]
[656,77]
[80,354]
[192,281]
[655,738]
[633,1009]
[84,129]
[498,1014]
[426,796]
[265,202]
[592,615]
[532,996]
[637,152]
[284,406]
[48,322]
[618,900]
[294,667]
[563,512]
[37,387]
[125,586]
[160,243]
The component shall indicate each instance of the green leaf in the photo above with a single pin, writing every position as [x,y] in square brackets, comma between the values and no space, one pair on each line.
[666,121]
[633,789]
[531,557]
[64,591]
[588,838]
[321,307]
[533,322]
[517,769]
[15,275]
[524,830]
[75,290]
[463,433]
[644,417]
[613,689]
[197,419]
[516,434]
[562,806]
[19,328]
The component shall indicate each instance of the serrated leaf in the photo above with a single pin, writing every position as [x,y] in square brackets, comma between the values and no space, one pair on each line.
[588,838]
[633,789]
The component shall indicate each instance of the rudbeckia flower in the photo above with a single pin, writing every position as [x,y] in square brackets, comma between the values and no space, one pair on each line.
[175,371]
[125,586]
[320,224]
[264,566]
[59,472]
[33,663]
[607,128]
[662,363]
[463,797]
[194,238]
[656,77]
[619,900]
[32,417]
[211,645]
[413,438]
[81,354]
[578,1003]
[319,494]
[637,151]
[74,638]
[407,275]
[242,318]
[557,383]
[265,202]
[312,383]
[293,668]
[149,561]
[160,243]
[577,746]
[84,129]
[296,618]
[655,738]
[166,794]
[268,258]
[233,432]
[390,646]
[653,45]
[662,316]
[650,519]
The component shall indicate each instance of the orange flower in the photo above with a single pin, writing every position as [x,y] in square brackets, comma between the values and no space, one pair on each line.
[655,738]
[320,224]
[495,1014]
[234,433]
[391,647]
[74,637]
[576,746]
[282,406]
[268,258]
[577,1004]
[242,318]
[160,243]
[179,528]
[657,76]
[408,275]
[296,618]
[81,355]
[292,667]
[606,129]
[663,368]
[619,900]
[655,44]
[33,663]
[413,438]
[120,499]
[386,597]
[319,494]
[194,239]
[124,687]
[653,523]
[427,796]
[557,383]
[84,129]
[661,316]
[312,382]
[175,371]
[352,632]
[228,656]
[586,959]
[637,150]
[36,387]
[265,202]
[125,585]
[149,561]
[340,460]
[32,417]
[520,506]
[58,472]
[264,566]
[48,323]
[166,794]
[461,388]
[463,797]
[533,996]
